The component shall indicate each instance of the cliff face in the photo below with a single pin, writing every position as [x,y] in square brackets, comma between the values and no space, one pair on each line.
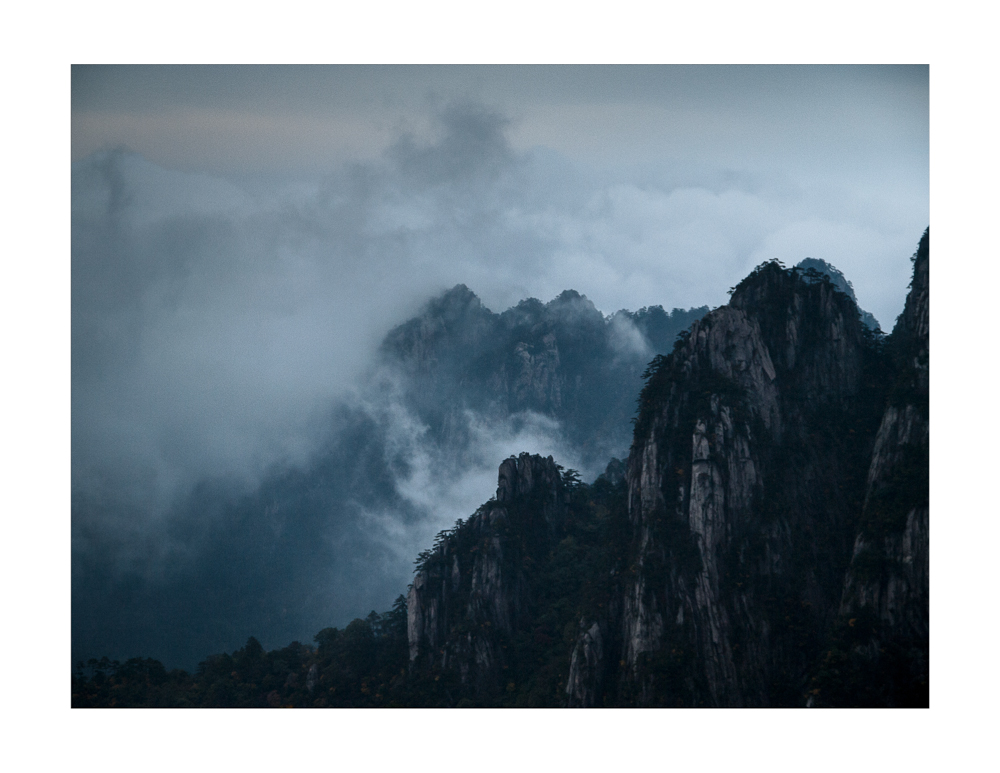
[473,589]
[766,546]
[879,650]
[841,283]
[562,359]
[740,498]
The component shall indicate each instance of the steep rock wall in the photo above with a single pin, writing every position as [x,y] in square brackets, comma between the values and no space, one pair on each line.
[771,542]
[561,359]
[471,593]
[745,476]
[879,650]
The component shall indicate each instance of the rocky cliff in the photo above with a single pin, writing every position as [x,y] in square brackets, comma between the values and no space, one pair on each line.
[775,503]
[841,283]
[473,588]
[743,478]
[766,546]
[878,654]
[562,359]
[766,543]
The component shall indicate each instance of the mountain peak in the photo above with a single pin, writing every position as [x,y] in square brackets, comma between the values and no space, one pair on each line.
[458,297]
[771,277]
[842,283]
[832,273]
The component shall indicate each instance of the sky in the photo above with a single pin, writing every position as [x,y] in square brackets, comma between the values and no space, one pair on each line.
[833,158]
[244,237]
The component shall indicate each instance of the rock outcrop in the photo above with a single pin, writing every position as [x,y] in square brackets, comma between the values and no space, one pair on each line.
[841,283]
[879,651]
[763,462]
[587,666]
[562,359]
[472,589]
[766,543]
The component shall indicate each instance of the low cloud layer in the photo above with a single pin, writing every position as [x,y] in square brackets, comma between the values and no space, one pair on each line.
[215,328]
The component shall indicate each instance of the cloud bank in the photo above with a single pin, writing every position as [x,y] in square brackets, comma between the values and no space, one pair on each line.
[224,341]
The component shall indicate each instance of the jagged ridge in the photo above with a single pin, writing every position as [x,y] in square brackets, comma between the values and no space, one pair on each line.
[562,359]
[766,543]
[751,484]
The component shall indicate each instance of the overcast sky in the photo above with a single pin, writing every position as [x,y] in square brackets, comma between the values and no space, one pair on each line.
[834,158]
[292,120]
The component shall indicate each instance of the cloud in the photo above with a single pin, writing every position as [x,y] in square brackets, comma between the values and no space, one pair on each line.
[627,339]
[222,336]
[445,483]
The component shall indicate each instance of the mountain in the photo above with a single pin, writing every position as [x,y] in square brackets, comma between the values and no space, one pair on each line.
[879,648]
[493,608]
[771,549]
[841,283]
[745,479]
[452,391]
[765,543]
[562,359]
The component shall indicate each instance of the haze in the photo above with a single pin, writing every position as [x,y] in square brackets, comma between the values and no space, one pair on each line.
[244,237]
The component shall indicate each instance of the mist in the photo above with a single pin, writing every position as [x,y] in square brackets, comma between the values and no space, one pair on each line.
[245,462]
